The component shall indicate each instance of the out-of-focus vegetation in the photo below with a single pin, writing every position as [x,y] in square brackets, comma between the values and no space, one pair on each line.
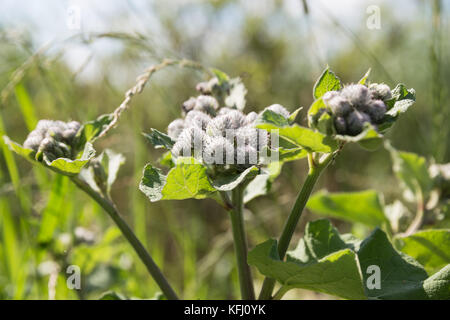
[47,225]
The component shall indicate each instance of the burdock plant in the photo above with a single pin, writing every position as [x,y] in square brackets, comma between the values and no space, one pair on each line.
[216,150]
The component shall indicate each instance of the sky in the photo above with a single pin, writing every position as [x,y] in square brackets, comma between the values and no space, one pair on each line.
[56,20]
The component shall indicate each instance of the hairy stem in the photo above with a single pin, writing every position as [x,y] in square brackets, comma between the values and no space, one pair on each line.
[240,244]
[145,257]
[315,169]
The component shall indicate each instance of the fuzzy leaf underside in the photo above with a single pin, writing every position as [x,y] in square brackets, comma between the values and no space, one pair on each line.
[227,182]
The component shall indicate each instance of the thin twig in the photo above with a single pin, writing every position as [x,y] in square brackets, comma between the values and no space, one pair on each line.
[142,80]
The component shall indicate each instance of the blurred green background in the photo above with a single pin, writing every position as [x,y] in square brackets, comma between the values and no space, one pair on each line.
[56,66]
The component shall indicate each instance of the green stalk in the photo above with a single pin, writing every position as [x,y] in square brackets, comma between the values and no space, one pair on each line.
[145,257]
[315,169]
[240,244]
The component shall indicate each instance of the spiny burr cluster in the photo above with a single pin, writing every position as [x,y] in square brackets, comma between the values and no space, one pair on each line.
[221,136]
[355,105]
[53,139]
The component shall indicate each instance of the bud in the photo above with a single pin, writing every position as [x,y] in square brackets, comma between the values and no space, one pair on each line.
[188,105]
[217,149]
[198,119]
[203,88]
[33,140]
[279,109]
[206,104]
[356,94]
[189,138]
[69,134]
[225,110]
[376,110]
[245,156]
[340,125]
[355,122]
[175,128]
[75,125]
[380,91]
[43,125]
[56,132]
[250,118]
[339,106]
[231,120]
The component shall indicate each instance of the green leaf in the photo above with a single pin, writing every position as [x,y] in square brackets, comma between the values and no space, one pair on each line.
[61,165]
[166,160]
[320,239]
[227,182]
[304,137]
[112,295]
[286,155]
[402,277]
[325,124]
[17,148]
[188,179]
[369,138]
[313,112]
[411,169]
[294,116]
[73,167]
[159,139]
[221,76]
[110,163]
[272,118]
[363,207]
[327,262]
[328,81]
[259,186]
[152,183]
[365,77]
[51,215]
[335,274]
[429,247]
[437,287]
[402,99]
[90,130]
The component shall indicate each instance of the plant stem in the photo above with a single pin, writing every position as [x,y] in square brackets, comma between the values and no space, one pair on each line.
[418,219]
[315,169]
[145,257]
[240,244]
